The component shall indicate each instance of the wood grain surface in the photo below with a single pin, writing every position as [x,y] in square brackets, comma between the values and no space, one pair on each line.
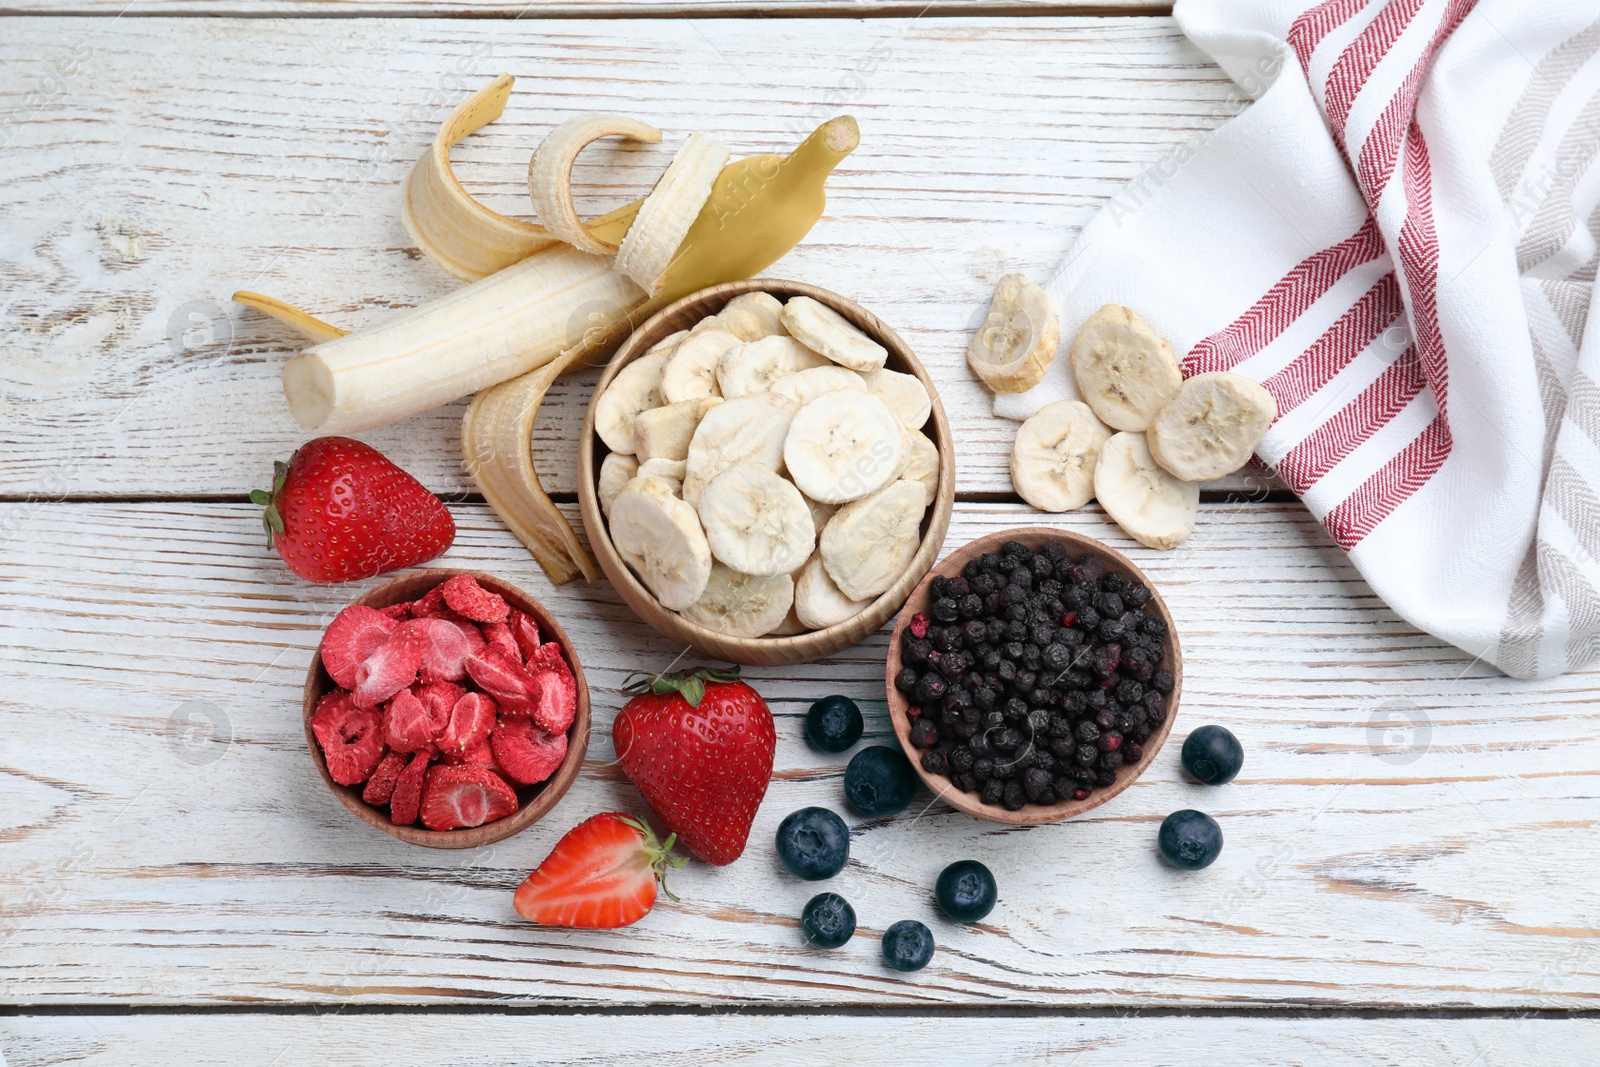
[1409,828]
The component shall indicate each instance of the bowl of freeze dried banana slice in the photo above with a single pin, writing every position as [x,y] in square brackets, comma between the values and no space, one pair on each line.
[765,472]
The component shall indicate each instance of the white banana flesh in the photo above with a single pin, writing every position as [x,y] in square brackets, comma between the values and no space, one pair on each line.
[1054,456]
[923,466]
[843,446]
[665,432]
[756,522]
[750,429]
[870,542]
[742,605]
[660,538]
[691,371]
[1212,426]
[805,386]
[763,307]
[635,390]
[818,603]
[1018,339]
[823,329]
[616,471]
[664,218]
[1125,371]
[904,395]
[1152,506]
[756,366]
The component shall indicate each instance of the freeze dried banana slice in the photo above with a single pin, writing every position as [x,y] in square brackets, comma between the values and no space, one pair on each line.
[817,600]
[805,386]
[671,208]
[923,467]
[659,536]
[636,388]
[843,446]
[550,174]
[764,307]
[1150,505]
[870,542]
[755,366]
[820,512]
[668,344]
[691,371]
[1125,370]
[1053,459]
[665,432]
[750,429]
[668,470]
[1018,339]
[756,522]
[742,605]
[616,471]
[745,324]
[790,625]
[1212,425]
[905,395]
[823,329]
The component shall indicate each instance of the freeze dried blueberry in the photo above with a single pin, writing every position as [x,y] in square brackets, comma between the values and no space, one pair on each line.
[1153,626]
[992,791]
[1136,595]
[916,651]
[1036,783]
[934,761]
[1105,718]
[969,606]
[1015,550]
[1108,604]
[1087,733]
[906,681]
[944,609]
[1132,752]
[1088,620]
[1014,797]
[1129,691]
[924,734]
[1111,630]
[1161,681]
[1113,583]
[1109,741]
[1086,754]
[930,688]
[958,587]
[939,587]
[1063,746]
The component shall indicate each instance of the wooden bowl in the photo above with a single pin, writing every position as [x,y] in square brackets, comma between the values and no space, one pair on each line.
[1034,537]
[764,651]
[533,801]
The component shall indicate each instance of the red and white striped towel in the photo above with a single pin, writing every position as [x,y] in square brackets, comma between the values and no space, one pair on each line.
[1398,238]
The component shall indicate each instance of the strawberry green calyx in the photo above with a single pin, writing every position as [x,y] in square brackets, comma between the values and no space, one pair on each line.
[689,684]
[659,853]
[270,519]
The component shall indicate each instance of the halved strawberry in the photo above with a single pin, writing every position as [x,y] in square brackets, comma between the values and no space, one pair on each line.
[353,635]
[445,646]
[556,703]
[499,637]
[471,719]
[526,631]
[351,738]
[601,875]
[380,787]
[389,668]
[465,595]
[407,798]
[464,795]
[528,754]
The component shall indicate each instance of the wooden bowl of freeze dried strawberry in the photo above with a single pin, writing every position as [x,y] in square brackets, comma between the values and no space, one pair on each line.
[449,698]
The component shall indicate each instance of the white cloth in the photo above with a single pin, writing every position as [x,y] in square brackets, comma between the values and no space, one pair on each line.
[1398,239]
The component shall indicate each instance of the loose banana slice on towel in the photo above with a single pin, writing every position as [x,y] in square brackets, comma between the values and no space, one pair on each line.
[1210,428]
[1018,339]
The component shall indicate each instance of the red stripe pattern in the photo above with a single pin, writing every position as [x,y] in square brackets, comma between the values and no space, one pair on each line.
[1357,328]
[1315,24]
[1392,486]
[1349,75]
[1352,425]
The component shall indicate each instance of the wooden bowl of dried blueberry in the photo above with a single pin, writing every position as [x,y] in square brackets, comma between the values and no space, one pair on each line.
[1033,675]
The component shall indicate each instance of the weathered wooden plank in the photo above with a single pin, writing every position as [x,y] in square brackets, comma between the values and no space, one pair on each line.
[154,166]
[1409,829]
[482,1040]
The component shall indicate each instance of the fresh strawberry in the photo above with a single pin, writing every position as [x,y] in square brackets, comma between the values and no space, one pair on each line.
[556,703]
[407,798]
[389,668]
[601,875]
[353,635]
[351,738]
[464,795]
[445,646]
[471,600]
[470,722]
[339,510]
[526,631]
[528,754]
[699,745]
[380,787]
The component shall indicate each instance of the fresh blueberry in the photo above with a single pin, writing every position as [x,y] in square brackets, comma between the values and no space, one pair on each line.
[833,724]
[1190,839]
[907,946]
[1212,755]
[813,843]
[880,781]
[966,891]
[828,920]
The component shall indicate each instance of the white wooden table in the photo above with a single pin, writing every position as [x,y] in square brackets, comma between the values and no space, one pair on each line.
[1410,873]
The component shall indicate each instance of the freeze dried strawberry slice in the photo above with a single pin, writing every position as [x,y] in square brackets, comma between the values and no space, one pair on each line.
[557,701]
[390,668]
[353,635]
[430,603]
[380,787]
[416,717]
[526,631]
[504,678]
[398,612]
[470,722]
[479,752]
[351,738]
[465,795]
[407,798]
[445,647]
[465,595]
[528,754]
[498,636]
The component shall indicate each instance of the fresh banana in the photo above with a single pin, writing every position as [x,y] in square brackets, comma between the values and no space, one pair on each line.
[1151,506]
[756,366]
[1124,369]
[870,542]
[550,174]
[691,372]
[904,394]
[922,466]
[1054,456]
[750,429]
[756,522]
[668,212]
[843,446]
[742,605]
[817,601]
[660,538]
[1210,428]
[823,329]
[665,432]
[805,386]
[616,471]
[1018,339]
[635,390]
